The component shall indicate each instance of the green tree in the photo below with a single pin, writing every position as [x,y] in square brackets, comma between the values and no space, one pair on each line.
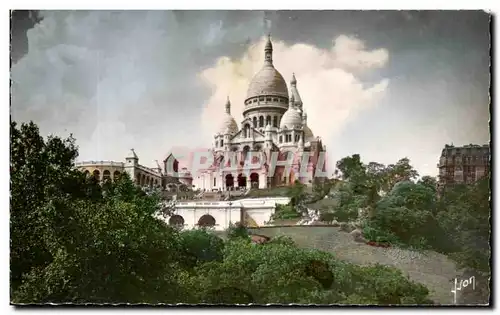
[281,272]
[113,251]
[429,181]
[404,213]
[351,168]
[72,241]
[237,230]
[39,171]
[297,195]
[401,171]
[200,246]
[465,216]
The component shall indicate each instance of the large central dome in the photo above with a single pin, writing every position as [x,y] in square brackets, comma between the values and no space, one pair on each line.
[268,81]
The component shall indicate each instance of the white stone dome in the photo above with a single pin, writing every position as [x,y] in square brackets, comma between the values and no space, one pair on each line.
[268,81]
[291,119]
[228,124]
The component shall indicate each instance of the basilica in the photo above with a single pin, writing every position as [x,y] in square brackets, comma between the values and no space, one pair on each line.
[274,123]
[274,130]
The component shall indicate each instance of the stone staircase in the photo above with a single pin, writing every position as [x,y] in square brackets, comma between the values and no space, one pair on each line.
[311,218]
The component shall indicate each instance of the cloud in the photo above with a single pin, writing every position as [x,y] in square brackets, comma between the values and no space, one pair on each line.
[121,80]
[328,81]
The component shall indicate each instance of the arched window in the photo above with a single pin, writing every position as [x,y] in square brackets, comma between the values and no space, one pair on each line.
[261,121]
[275,121]
[247,130]
[246,149]
[116,175]
[268,120]
[255,122]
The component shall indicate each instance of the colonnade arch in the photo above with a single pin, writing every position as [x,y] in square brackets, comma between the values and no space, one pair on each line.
[206,221]
[176,220]
[106,175]
[144,180]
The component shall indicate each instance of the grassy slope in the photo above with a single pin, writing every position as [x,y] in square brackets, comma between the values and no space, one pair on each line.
[432,269]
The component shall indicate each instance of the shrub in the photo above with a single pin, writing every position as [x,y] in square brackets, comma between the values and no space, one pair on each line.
[237,230]
[200,246]
[285,212]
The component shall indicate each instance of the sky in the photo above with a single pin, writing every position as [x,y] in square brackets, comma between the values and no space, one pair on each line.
[382,84]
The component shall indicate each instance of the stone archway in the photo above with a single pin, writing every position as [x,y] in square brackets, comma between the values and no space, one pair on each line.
[242,180]
[106,176]
[254,180]
[229,181]
[97,174]
[116,175]
[176,220]
[206,221]
[87,173]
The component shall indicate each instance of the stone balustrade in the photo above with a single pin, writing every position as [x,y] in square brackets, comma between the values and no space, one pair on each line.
[100,163]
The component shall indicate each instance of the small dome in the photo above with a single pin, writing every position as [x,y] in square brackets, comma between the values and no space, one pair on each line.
[308,134]
[291,119]
[228,125]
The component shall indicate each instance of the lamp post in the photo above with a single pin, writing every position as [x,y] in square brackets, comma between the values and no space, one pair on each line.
[230,203]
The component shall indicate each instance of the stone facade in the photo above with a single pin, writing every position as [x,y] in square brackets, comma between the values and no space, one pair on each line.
[463,165]
[221,214]
[274,122]
[141,175]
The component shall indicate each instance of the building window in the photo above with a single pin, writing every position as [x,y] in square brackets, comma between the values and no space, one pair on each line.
[221,143]
[255,122]
[254,100]
[275,121]
[261,99]
[268,120]
[268,99]
[281,139]
[275,100]
[215,182]
[261,121]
